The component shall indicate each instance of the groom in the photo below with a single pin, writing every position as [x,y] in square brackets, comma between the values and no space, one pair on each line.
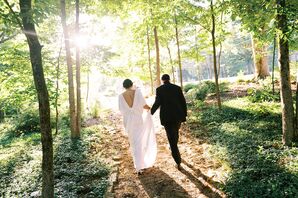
[173,111]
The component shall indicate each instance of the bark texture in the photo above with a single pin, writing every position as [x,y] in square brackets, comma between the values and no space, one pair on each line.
[171,62]
[214,56]
[259,50]
[285,91]
[71,97]
[178,53]
[149,60]
[78,75]
[157,57]
[43,98]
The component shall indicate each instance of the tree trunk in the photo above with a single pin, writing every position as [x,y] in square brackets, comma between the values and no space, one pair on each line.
[273,61]
[259,50]
[88,85]
[214,56]
[71,97]
[78,74]
[43,99]
[295,138]
[1,115]
[210,73]
[197,55]
[285,92]
[149,60]
[57,90]
[219,56]
[178,52]
[171,62]
[157,57]
[220,46]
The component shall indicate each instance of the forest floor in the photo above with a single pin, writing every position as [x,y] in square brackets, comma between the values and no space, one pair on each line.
[220,152]
[234,152]
[198,177]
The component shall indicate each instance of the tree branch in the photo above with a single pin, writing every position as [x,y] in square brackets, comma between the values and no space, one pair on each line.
[196,22]
[14,14]
[2,40]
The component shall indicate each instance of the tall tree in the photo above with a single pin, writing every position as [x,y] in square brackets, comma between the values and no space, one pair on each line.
[256,19]
[28,28]
[178,51]
[214,54]
[171,62]
[201,17]
[286,92]
[259,50]
[57,90]
[149,59]
[78,73]
[71,97]
[157,57]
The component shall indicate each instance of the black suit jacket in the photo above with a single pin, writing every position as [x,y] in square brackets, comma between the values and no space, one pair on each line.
[170,99]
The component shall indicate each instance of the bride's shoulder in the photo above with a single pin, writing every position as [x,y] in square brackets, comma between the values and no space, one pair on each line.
[121,94]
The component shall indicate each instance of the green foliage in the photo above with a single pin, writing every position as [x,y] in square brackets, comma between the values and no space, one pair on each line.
[189,87]
[88,178]
[262,95]
[249,11]
[16,81]
[95,109]
[245,138]
[78,171]
[201,93]
[27,122]
[201,90]
[19,162]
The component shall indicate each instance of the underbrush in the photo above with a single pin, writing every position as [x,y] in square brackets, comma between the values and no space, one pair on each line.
[245,137]
[263,94]
[24,123]
[78,170]
[200,91]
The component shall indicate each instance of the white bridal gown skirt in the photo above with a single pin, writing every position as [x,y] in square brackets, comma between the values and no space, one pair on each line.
[140,130]
[142,141]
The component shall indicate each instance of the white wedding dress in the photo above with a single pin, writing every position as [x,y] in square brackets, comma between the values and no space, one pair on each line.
[140,130]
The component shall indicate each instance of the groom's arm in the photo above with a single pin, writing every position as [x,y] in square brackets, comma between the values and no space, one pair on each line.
[183,102]
[156,103]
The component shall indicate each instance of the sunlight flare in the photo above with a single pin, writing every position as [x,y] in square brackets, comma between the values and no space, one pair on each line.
[81,41]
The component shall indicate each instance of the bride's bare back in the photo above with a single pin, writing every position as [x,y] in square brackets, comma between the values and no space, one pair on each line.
[129,95]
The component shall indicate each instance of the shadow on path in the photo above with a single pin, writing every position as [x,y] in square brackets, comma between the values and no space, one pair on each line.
[157,183]
[207,186]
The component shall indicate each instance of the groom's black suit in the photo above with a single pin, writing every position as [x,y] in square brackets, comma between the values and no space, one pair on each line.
[173,111]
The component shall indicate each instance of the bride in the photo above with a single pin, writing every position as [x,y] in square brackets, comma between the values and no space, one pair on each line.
[140,129]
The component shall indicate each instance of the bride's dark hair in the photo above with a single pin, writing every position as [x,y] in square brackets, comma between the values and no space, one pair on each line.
[127,83]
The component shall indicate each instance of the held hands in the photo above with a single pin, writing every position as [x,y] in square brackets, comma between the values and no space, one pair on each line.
[147,107]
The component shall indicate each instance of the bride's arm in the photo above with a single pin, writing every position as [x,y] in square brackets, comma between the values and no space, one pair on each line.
[146,107]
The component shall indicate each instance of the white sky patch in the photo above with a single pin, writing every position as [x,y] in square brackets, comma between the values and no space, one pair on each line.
[201,3]
[96,31]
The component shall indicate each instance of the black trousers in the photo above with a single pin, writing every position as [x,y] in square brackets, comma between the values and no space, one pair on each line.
[172,130]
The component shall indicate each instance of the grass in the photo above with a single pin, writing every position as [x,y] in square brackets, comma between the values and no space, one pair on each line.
[78,170]
[245,138]
[19,157]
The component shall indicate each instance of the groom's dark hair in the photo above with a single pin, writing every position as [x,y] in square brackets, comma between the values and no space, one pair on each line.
[127,83]
[165,77]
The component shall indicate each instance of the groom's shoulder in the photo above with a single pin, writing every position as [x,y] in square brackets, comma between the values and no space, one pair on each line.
[167,87]
[173,86]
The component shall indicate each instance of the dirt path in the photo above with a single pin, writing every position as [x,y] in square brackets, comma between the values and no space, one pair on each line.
[197,178]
